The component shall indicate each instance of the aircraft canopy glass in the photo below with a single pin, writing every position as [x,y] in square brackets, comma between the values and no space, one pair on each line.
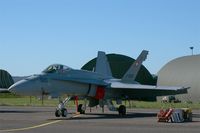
[56,68]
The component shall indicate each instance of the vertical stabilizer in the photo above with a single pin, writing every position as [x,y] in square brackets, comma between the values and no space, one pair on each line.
[131,74]
[102,65]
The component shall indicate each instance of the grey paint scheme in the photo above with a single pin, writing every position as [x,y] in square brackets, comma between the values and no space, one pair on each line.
[18,78]
[183,71]
[84,83]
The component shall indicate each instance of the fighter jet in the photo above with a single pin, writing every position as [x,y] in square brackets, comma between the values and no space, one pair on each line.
[99,87]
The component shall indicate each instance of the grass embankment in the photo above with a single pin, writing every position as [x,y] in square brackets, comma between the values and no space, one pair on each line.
[158,105]
[9,99]
[14,100]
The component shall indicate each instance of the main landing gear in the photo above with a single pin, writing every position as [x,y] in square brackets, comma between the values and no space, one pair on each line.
[121,109]
[81,109]
[62,111]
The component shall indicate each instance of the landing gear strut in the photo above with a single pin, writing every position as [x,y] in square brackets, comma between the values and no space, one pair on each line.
[61,110]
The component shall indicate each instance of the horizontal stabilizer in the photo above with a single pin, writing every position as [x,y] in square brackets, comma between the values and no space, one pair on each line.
[164,90]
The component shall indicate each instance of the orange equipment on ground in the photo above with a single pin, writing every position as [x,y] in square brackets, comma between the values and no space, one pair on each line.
[165,116]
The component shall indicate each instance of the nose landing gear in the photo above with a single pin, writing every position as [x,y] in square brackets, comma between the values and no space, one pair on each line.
[61,110]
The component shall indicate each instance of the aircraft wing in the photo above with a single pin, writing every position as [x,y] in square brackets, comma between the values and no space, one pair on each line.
[160,90]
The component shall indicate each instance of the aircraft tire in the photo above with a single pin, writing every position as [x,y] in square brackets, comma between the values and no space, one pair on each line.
[80,109]
[57,113]
[64,112]
[122,110]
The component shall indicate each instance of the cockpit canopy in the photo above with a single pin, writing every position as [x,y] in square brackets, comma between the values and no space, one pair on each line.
[56,68]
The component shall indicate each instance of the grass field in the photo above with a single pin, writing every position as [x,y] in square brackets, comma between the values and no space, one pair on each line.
[13,100]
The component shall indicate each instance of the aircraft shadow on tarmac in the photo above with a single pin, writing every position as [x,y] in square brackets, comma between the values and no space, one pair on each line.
[196,115]
[89,116]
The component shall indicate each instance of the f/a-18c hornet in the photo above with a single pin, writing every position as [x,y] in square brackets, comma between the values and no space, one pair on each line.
[99,87]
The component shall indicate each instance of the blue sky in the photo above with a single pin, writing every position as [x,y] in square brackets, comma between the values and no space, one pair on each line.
[37,33]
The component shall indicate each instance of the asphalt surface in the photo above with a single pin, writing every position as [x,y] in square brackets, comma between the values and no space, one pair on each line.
[42,120]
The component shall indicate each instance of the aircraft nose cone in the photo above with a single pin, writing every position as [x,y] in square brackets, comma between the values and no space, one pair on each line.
[19,87]
[31,86]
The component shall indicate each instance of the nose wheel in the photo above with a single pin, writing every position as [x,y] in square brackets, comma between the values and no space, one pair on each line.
[61,110]
[57,113]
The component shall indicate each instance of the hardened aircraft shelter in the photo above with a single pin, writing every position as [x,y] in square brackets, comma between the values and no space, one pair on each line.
[183,71]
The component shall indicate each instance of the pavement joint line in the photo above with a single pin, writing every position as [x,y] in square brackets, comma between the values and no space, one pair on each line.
[37,126]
